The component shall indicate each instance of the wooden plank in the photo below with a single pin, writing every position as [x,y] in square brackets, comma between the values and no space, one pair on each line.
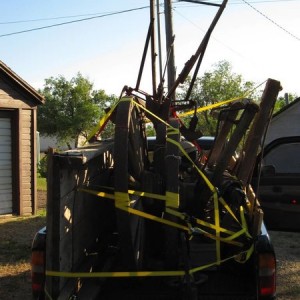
[26,185]
[27,168]
[26,124]
[26,197]
[26,149]
[26,131]
[240,130]
[258,129]
[26,178]
[172,161]
[27,114]
[26,143]
[26,191]
[53,224]
[9,102]
[27,211]
[26,154]
[27,135]
[222,137]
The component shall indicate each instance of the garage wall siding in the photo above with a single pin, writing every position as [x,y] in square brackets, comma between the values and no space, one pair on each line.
[9,97]
[26,163]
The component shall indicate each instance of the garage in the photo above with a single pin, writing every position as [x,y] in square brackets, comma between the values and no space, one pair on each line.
[18,149]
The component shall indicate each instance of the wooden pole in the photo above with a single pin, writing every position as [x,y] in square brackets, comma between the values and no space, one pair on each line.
[169,45]
[153,48]
[258,129]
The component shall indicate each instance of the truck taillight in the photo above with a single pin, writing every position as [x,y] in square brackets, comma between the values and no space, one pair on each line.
[38,273]
[267,275]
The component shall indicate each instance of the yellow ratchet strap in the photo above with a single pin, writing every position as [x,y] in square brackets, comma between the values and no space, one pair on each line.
[228,240]
[132,274]
[172,199]
[211,106]
[102,121]
[122,199]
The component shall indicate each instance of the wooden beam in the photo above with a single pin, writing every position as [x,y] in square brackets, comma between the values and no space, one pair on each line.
[258,130]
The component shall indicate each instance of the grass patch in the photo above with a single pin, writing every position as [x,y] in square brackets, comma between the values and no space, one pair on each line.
[41,184]
[41,213]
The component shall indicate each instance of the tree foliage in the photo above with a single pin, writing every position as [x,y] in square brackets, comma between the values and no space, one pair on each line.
[214,86]
[281,102]
[72,108]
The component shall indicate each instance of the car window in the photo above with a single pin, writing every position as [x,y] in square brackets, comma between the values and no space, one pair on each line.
[285,158]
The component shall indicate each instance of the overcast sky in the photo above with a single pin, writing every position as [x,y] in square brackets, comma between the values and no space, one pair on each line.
[260,38]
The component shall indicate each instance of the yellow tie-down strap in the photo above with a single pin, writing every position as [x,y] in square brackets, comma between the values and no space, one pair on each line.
[102,122]
[178,273]
[124,202]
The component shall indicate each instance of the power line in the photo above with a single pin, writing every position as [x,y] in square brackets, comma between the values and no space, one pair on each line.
[272,21]
[239,2]
[226,46]
[96,16]
[74,21]
[49,19]
[108,13]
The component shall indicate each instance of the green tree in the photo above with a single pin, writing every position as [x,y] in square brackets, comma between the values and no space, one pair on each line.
[72,108]
[281,102]
[217,85]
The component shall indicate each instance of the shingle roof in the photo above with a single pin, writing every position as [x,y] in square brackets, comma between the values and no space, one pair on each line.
[9,74]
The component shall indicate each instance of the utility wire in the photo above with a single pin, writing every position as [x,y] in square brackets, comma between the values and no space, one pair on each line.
[74,21]
[49,19]
[97,14]
[126,11]
[195,25]
[272,21]
[239,2]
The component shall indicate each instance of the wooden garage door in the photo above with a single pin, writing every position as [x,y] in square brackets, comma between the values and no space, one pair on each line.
[5,166]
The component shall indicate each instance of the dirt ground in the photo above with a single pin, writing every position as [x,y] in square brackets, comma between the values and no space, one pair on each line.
[287,248]
[17,233]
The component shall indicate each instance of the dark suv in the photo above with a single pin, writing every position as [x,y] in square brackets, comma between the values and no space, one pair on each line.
[278,185]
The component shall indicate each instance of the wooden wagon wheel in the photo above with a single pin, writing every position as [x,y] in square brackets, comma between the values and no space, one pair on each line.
[129,161]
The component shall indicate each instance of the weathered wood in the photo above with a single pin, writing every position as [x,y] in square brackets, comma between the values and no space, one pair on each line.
[258,129]
[128,160]
[221,139]
[53,224]
[240,130]
[81,219]
[121,168]
[172,161]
